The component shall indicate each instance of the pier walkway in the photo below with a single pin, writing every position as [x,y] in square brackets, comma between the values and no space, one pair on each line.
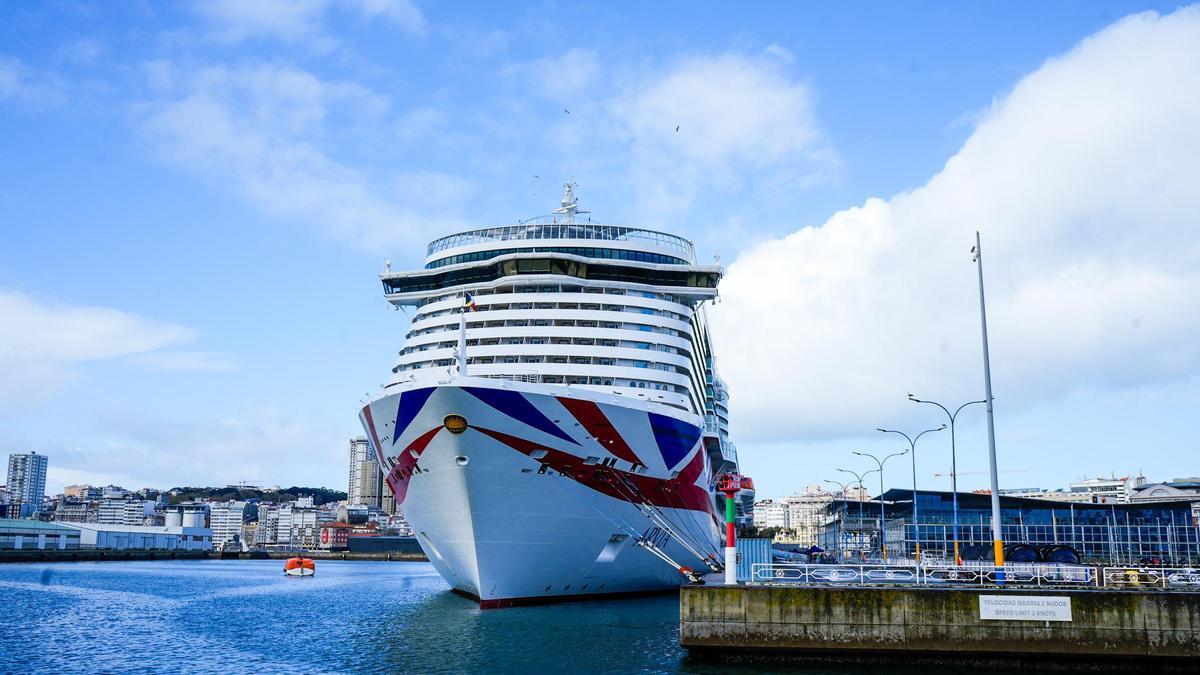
[1075,624]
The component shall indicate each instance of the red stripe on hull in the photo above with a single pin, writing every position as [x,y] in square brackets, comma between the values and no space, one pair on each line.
[676,493]
[593,419]
[374,437]
[398,477]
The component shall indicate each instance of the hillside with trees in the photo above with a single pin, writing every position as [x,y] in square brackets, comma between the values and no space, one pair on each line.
[243,493]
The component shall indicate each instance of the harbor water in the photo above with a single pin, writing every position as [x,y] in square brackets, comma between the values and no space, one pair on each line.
[353,616]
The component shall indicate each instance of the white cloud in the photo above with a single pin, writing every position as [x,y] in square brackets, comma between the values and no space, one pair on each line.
[560,78]
[419,123]
[183,360]
[431,188]
[782,53]
[295,20]
[261,131]
[1082,180]
[43,345]
[476,41]
[25,85]
[262,443]
[403,13]
[284,19]
[738,117]
[81,52]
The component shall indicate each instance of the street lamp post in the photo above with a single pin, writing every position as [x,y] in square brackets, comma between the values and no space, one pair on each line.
[882,512]
[859,477]
[844,487]
[912,444]
[997,536]
[953,463]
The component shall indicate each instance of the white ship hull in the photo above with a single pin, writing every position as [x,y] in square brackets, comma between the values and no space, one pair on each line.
[537,498]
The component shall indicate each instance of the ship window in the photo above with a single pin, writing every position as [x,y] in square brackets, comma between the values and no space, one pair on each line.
[436,280]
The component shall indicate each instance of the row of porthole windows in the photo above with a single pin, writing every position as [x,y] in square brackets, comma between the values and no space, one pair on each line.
[581,342]
[587,252]
[558,305]
[447,344]
[433,281]
[559,288]
[568,378]
[573,360]
[560,360]
[564,323]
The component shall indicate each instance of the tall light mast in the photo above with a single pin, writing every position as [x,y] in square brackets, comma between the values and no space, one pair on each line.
[997,536]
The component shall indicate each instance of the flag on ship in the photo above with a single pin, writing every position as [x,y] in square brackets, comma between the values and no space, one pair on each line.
[469,302]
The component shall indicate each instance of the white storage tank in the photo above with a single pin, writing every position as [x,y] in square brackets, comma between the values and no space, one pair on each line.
[193,518]
[174,518]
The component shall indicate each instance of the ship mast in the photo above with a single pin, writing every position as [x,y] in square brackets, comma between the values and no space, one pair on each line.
[570,203]
[461,352]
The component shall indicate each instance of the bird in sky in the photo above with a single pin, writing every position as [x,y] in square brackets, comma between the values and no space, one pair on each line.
[566,111]
[537,176]
[676,128]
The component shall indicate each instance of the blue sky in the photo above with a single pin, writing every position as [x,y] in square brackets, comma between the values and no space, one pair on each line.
[195,201]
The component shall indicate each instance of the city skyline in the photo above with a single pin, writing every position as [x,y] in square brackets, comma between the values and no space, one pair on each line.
[364,473]
[198,199]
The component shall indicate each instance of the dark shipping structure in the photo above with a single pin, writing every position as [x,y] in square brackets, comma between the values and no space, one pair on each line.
[1165,532]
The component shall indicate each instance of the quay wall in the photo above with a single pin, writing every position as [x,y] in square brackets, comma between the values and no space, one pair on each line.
[103,555]
[850,622]
[407,556]
[94,555]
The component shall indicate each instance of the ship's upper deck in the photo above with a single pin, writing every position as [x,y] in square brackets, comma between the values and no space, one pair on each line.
[568,230]
[563,227]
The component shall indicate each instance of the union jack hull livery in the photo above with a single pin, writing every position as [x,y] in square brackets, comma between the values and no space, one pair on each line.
[543,496]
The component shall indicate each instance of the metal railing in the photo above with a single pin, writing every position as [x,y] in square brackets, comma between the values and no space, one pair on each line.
[1018,574]
[1162,577]
[563,227]
[834,574]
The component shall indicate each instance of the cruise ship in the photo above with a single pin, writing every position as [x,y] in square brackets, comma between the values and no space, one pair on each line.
[554,425]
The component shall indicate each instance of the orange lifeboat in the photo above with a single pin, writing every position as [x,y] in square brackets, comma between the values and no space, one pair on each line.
[300,567]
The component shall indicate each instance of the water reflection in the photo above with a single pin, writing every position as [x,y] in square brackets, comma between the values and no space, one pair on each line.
[244,616]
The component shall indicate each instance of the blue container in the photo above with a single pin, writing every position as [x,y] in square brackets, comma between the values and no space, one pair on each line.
[751,551]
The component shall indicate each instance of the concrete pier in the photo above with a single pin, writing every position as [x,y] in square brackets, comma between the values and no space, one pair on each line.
[1112,627]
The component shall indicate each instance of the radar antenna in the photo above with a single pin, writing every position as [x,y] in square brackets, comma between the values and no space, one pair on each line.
[570,203]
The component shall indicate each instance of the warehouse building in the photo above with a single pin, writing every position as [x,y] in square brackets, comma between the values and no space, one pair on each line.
[142,538]
[25,534]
